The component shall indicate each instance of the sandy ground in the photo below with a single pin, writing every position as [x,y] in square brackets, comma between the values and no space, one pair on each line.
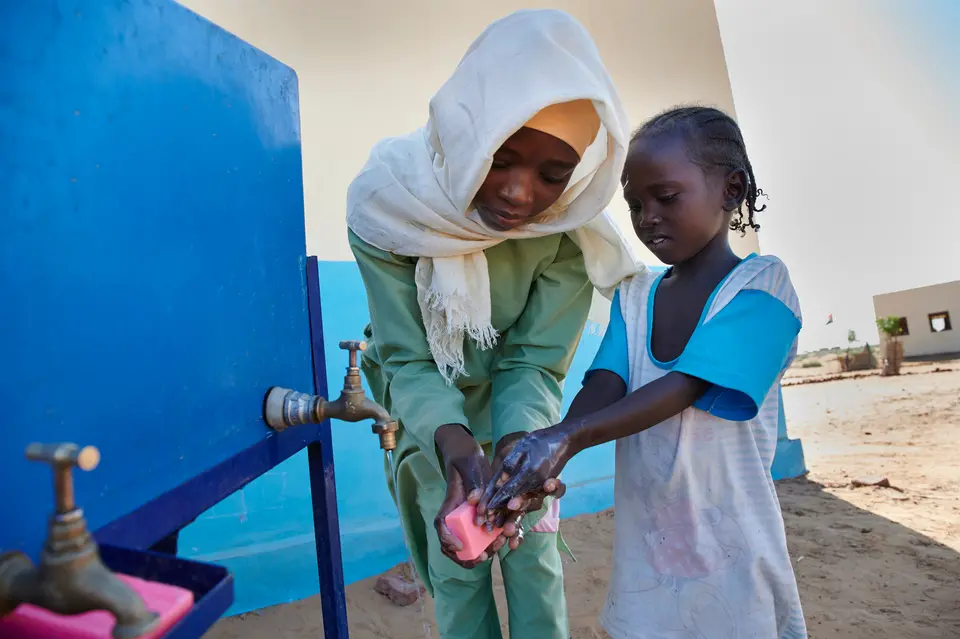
[871,562]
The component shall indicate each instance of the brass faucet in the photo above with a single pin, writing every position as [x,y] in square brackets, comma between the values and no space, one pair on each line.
[70,579]
[284,407]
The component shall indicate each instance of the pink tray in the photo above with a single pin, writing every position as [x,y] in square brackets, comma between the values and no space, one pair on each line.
[31,622]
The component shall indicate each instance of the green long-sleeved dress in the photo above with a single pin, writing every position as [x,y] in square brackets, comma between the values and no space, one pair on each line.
[540,298]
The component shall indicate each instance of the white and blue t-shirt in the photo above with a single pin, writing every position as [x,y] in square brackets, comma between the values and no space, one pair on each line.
[700,548]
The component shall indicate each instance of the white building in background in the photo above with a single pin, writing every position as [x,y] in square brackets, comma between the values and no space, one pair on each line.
[926,318]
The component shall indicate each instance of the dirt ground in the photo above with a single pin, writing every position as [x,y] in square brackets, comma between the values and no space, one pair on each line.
[871,562]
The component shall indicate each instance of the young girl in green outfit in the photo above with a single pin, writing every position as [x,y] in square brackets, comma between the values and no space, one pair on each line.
[480,238]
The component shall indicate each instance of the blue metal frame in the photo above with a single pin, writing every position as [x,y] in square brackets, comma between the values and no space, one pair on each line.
[323,484]
[173,510]
[178,507]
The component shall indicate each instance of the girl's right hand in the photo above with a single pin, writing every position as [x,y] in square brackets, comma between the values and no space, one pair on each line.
[532,466]
[508,517]
[468,473]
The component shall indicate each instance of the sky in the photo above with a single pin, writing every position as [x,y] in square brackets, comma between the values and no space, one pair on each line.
[848,109]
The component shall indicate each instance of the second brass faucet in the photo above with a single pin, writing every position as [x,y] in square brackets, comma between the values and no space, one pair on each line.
[284,408]
[70,577]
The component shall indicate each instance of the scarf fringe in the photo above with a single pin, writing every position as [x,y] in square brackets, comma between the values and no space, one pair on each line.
[448,319]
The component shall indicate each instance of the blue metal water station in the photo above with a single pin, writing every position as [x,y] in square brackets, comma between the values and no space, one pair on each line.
[154,285]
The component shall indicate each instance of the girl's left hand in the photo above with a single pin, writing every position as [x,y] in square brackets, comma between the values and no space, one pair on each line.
[510,518]
[529,468]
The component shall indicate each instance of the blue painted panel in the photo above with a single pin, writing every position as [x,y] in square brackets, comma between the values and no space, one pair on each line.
[152,254]
[788,461]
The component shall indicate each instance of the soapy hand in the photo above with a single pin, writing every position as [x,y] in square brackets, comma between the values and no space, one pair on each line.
[528,472]
[508,514]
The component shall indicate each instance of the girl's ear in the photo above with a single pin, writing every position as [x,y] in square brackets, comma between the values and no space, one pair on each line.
[735,190]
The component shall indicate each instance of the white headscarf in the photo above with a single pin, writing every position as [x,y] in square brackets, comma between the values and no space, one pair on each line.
[414,196]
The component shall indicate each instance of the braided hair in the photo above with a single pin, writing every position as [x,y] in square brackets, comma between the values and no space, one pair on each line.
[713,140]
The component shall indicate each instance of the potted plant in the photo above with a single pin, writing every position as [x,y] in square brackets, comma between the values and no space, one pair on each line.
[851,340]
[891,330]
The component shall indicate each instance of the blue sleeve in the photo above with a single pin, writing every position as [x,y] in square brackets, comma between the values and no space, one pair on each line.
[741,352]
[612,355]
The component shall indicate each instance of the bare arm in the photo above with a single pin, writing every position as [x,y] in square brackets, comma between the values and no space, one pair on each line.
[602,389]
[634,413]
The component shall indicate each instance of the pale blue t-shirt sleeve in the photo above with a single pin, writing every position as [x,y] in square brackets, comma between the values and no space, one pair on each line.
[612,355]
[741,351]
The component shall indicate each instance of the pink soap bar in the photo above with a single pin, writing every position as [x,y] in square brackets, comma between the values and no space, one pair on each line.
[462,522]
[31,622]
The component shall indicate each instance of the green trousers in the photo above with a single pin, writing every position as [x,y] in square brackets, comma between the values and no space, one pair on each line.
[464,603]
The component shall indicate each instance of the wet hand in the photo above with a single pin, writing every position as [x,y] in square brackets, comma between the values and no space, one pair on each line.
[528,502]
[510,515]
[528,472]
[468,473]
[499,518]
[510,518]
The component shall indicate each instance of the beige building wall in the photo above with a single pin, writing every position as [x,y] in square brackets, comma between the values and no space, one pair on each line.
[916,305]
[368,69]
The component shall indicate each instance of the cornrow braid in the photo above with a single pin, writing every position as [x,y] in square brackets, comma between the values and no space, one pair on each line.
[713,140]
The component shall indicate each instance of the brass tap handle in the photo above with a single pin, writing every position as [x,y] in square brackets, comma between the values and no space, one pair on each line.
[284,408]
[353,346]
[62,458]
[86,458]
